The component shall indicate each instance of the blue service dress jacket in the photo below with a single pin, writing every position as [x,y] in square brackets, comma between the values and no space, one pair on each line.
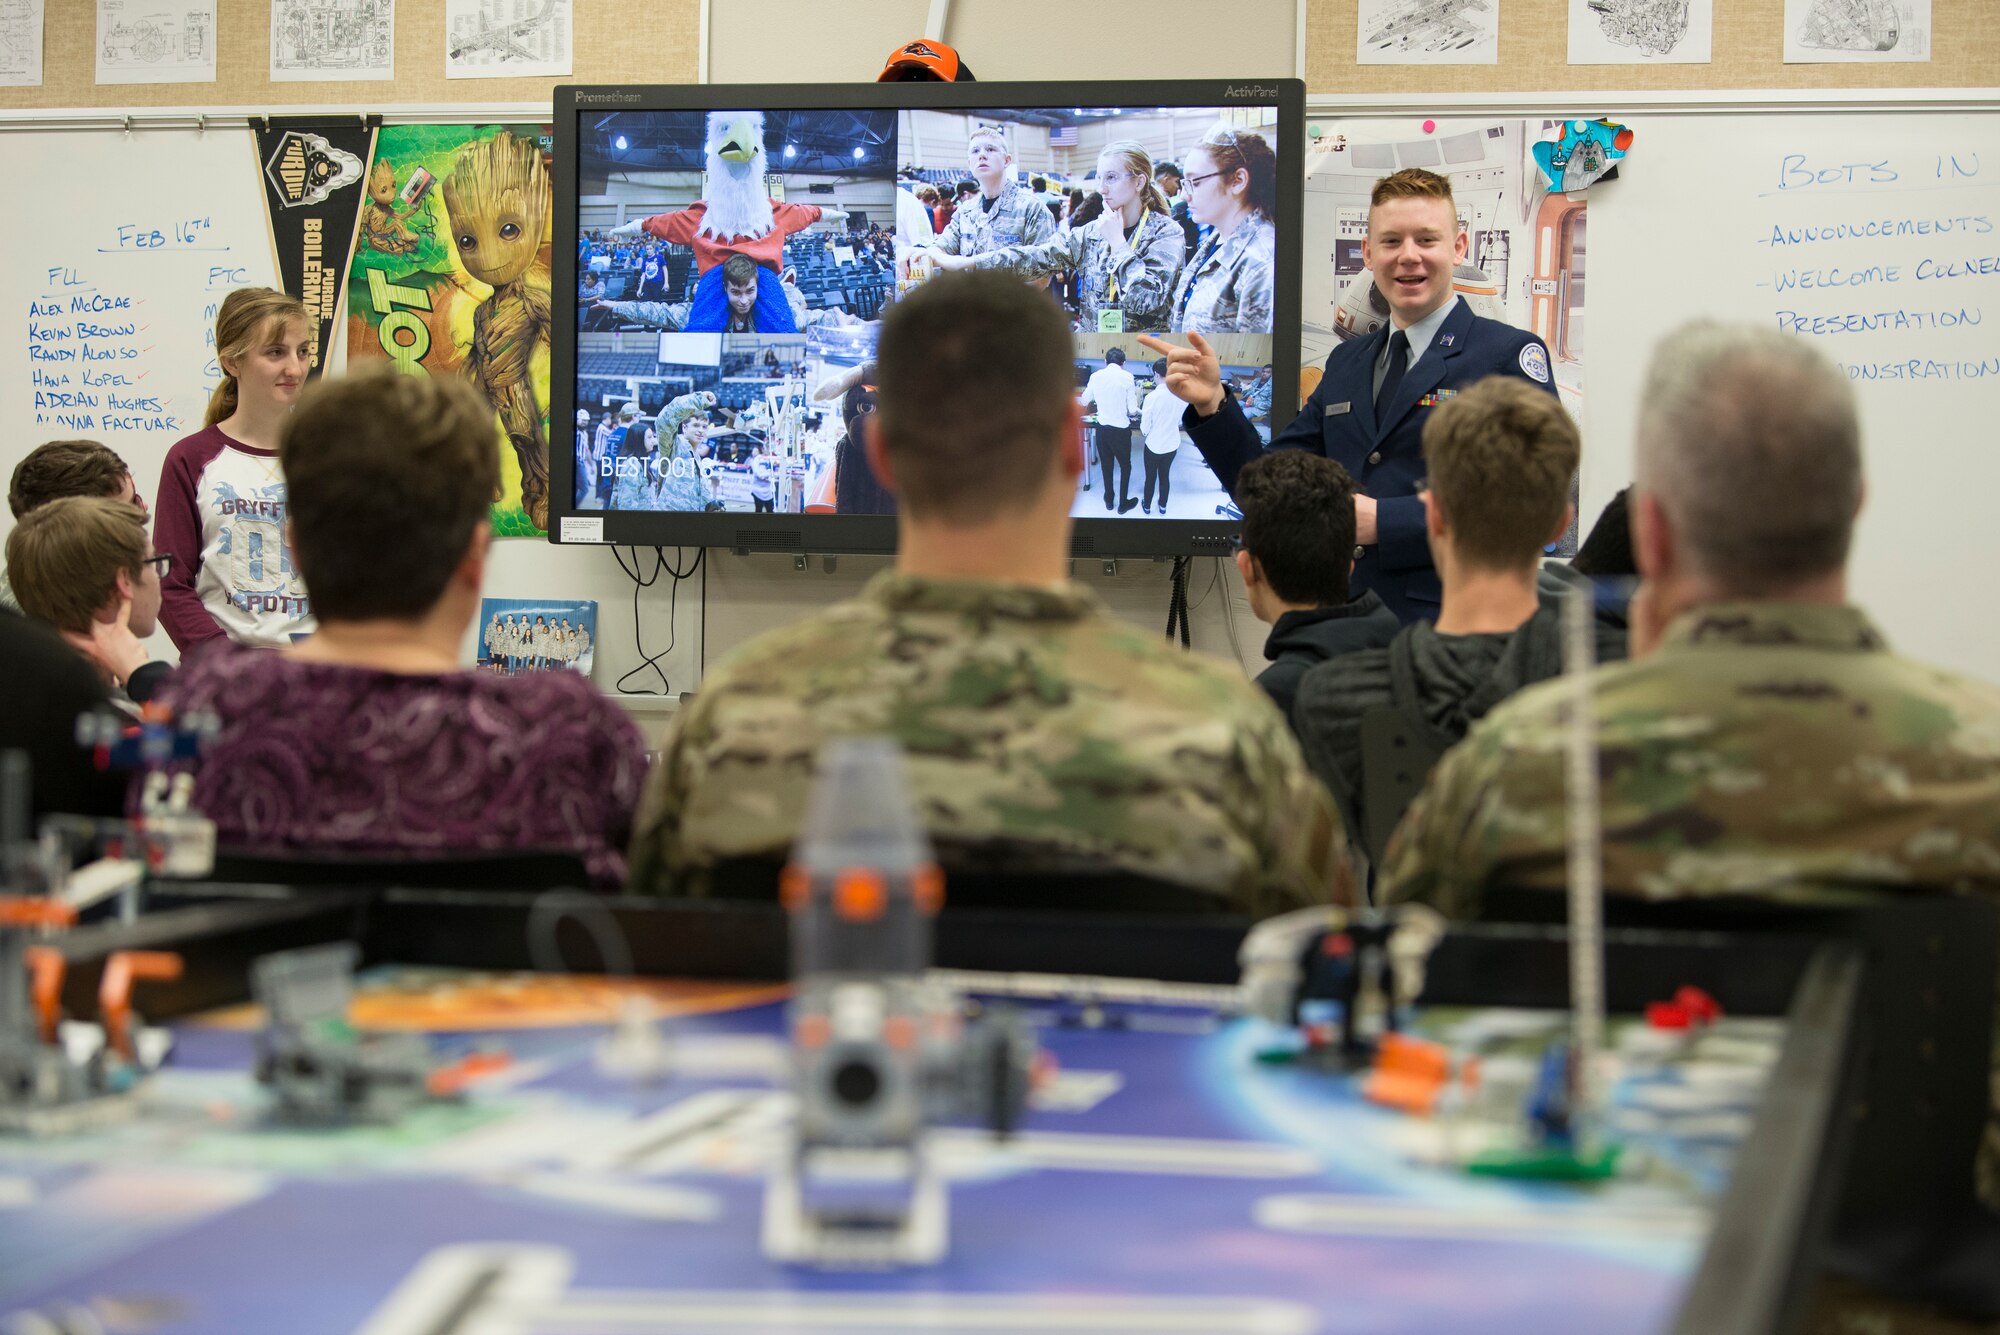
[1383,451]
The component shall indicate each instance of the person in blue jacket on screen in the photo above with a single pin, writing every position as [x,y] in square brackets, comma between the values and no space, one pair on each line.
[1370,407]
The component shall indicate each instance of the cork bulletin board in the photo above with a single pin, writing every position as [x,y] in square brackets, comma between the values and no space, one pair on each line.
[646,41]
[1748,53]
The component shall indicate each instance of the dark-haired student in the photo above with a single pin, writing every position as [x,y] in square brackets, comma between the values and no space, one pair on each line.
[368,739]
[1297,549]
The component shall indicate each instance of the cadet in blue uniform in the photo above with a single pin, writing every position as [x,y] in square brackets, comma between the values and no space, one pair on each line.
[1368,412]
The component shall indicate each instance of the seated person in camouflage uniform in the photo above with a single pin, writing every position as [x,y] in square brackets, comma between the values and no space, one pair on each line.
[1764,733]
[1501,456]
[1042,733]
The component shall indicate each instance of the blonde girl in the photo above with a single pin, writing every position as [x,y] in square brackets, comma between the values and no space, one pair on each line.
[220,514]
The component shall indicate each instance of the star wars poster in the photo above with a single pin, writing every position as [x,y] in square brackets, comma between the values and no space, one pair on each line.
[1525,247]
[451,277]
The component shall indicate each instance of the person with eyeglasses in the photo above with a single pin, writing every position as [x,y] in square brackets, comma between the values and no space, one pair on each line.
[1232,190]
[1126,260]
[65,468]
[83,565]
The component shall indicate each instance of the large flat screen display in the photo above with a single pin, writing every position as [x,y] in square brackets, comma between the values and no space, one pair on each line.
[724,256]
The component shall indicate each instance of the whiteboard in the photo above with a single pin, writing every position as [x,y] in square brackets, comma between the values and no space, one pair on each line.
[120,246]
[1875,233]
[1828,226]
[119,249]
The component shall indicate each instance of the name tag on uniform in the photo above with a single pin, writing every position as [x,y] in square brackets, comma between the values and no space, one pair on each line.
[1335,409]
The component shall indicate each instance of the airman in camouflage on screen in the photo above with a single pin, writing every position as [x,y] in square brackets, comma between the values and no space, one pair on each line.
[1041,732]
[1006,213]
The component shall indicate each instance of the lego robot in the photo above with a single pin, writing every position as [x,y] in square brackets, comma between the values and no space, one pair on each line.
[880,1052]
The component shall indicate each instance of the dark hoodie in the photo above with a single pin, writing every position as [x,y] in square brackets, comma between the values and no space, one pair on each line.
[1455,680]
[1300,640]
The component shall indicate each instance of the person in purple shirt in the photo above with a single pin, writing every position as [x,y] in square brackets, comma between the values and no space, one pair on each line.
[367,739]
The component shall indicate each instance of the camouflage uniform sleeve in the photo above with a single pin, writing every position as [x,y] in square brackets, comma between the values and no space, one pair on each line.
[1306,859]
[952,236]
[656,856]
[671,418]
[659,314]
[1254,282]
[1037,223]
[1065,252]
[1146,273]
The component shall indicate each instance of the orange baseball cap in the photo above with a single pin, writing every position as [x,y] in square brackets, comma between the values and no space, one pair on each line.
[922,61]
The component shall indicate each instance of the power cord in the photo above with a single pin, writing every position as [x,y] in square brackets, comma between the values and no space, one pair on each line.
[641,582]
[1177,605]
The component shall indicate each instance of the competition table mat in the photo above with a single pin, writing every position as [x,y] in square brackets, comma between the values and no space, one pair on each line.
[1165,1180]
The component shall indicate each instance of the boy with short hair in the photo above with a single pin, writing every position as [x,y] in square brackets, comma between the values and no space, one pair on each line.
[1295,553]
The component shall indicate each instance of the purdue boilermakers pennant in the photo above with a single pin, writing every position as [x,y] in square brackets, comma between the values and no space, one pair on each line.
[314,170]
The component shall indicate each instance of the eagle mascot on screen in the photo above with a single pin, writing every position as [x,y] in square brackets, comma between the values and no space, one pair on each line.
[735,216]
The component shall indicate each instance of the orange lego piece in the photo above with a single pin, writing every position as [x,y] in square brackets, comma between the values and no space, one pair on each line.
[114,991]
[448,1080]
[1409,1074]
[35,911]
[860,894]
[46,967]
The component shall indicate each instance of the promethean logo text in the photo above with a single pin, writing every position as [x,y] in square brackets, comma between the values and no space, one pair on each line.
[607,97]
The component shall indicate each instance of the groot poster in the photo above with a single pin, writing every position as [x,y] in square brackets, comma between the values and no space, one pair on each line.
[451,277]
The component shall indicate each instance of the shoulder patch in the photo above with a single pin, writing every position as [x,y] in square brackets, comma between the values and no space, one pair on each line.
[1535,363]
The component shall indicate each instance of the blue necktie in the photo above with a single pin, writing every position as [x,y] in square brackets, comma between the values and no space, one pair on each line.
[1399,361]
